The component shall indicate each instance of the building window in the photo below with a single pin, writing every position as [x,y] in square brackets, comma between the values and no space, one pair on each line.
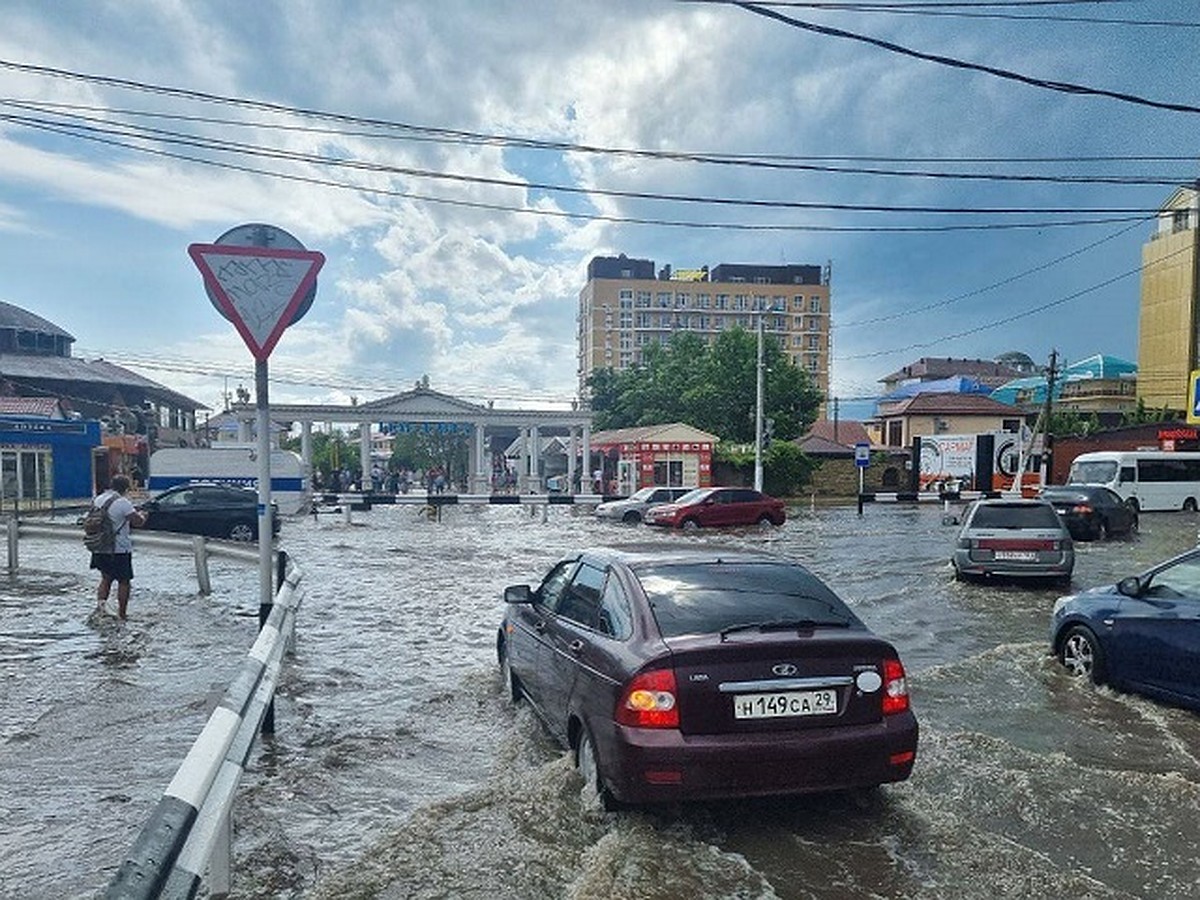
[814,304]
[664,300]
[703,301]
[643,299]
[643,320]
[814,342]
[683,301]
[798,302]
[626,320]
[814,324]
[722,301]
[761,279]
[739,301]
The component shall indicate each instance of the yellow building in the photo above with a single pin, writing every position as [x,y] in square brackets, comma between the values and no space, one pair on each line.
[626,305]
[1169,318]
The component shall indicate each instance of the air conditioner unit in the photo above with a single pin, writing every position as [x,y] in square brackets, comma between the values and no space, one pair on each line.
[940,426]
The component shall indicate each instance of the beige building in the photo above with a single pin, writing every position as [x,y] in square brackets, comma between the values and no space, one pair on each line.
[1167,339]
[626,305]
[929,414]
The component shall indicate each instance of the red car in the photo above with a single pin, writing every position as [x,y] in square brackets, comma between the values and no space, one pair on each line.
[710,507]
[692,674]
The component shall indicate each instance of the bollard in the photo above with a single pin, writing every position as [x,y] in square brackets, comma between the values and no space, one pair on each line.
[200,550]
[14,528]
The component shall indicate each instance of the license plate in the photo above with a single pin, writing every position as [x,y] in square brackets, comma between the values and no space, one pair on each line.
[1017,555]
[785,703]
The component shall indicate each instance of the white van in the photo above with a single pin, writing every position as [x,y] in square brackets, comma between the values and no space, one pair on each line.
[291,488]
[1148,480]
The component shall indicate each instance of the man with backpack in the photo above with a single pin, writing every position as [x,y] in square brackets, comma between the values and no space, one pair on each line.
[115,562]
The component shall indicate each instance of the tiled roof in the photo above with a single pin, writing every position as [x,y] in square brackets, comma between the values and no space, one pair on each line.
[46,407]
[844,432]
[927,368]
[672,431]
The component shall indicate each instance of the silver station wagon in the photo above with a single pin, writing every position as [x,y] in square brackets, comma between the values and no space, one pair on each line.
[1013,539]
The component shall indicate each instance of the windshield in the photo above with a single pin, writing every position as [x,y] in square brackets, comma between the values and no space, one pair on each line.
[694,496]
[643,494]
[1104,472]
[708,598]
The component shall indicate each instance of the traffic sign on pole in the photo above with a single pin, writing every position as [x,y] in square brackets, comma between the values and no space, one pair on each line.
[862,454]
[259,289]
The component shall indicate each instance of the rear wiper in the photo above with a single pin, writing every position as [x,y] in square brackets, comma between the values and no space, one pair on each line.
[785,624]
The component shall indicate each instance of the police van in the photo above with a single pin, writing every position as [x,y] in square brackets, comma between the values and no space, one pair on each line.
[291,488]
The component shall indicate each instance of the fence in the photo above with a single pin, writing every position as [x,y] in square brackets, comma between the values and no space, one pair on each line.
[189,832]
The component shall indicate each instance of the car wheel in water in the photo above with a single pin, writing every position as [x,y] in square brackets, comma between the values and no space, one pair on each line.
[1134,505]
[764,519]
[596,797]
[632,518]
[1080,653]
[689,525]
[1189,505]
[508,681]
[242,531]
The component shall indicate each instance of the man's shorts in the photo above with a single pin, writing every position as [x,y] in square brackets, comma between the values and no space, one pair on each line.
[117,566]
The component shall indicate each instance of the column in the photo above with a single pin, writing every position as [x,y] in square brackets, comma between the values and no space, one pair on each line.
[306,444]
[523,478]
[364,454]
[535,460]
[481,470]
[572,449]
[586,459]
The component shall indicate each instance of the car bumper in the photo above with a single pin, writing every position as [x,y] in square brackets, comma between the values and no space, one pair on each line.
[663,766]
[1061,567]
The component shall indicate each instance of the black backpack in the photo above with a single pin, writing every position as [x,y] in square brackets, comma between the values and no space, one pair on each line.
[99,535]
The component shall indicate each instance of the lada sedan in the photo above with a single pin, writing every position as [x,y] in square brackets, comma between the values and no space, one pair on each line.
[1013,539]
[689,674]
[1140,634]
[718,506]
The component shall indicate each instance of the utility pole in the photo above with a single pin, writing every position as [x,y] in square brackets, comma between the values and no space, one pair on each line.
[758,413]
[1040,426]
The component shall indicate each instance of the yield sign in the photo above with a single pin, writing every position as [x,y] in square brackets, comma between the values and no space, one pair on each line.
[258,288]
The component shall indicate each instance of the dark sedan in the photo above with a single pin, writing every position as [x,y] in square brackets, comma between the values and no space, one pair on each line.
[718,506]
[696,674]
[212,510]
[1091,512]
[1140,634]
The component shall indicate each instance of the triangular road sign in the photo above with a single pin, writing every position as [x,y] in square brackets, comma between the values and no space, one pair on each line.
[258,288]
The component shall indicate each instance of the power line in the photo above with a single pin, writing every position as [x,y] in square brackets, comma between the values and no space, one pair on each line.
[972,11]
[819,165]
[1064,87]
[596,217]
[257,151]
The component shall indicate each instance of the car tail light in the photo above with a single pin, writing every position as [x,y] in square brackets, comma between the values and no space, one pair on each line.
[649,701]
[1083,509]
[895,688]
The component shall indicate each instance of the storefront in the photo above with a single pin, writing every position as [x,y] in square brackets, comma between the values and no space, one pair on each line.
[42,460]
[674,455]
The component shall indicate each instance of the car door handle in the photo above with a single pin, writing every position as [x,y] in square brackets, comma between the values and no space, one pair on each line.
[575,646]
[1108,623]
[540,626]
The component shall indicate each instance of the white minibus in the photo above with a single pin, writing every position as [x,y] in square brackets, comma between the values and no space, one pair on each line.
[1149,480]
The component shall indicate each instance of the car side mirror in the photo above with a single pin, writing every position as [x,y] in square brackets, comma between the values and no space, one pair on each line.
[518,593]
[1130,587]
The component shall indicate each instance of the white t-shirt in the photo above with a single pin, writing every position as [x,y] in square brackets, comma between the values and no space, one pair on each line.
[120,511]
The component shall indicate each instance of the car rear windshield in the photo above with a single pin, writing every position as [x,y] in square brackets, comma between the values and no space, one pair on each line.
[1015,515]
[707,598]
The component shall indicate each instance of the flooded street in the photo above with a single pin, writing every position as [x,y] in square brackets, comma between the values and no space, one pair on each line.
[399,771]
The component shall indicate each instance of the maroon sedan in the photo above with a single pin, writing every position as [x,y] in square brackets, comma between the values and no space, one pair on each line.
[692,674]
[711,507]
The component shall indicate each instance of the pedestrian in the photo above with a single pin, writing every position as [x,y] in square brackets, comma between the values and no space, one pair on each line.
[118,565]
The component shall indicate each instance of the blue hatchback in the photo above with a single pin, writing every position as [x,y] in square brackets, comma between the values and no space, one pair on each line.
[1140,634]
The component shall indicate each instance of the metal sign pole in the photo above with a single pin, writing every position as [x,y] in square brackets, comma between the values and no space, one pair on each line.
[265,525]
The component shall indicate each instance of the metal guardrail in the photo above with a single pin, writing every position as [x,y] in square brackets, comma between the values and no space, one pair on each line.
[189,832]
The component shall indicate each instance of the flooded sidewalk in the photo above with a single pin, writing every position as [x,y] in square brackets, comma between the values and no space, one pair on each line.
[99,712]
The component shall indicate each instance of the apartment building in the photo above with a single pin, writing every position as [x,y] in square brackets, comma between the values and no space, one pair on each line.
[1168,317]
[627,305]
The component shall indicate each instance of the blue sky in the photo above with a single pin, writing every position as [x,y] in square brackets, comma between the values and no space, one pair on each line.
[94,236]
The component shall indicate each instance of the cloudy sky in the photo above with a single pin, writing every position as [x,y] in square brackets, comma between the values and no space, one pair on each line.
[457,164]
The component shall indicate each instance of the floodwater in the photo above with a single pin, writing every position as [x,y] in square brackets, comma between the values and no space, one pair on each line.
[399,771]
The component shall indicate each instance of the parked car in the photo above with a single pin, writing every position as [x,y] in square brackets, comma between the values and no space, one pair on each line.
[1013,538]
[1091,512]
[686,674]
[1141,634]
[631,509]
[212,510]
[710,507]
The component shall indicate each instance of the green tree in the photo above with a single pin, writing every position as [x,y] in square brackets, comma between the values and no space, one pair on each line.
[713,388]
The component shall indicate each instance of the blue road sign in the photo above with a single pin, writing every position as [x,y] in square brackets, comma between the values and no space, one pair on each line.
[862,454]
